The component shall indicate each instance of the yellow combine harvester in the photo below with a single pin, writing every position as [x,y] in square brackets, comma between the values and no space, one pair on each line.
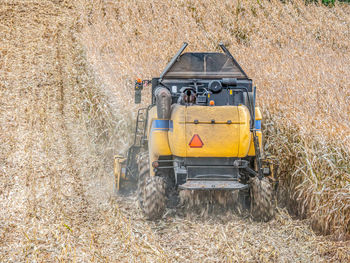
[201,134]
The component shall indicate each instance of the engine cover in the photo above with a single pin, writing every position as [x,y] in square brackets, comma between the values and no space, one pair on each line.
[223,130]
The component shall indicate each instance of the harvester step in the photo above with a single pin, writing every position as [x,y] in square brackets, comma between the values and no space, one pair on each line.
[212,185]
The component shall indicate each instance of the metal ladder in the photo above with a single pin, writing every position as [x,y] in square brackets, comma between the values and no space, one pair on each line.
[139,140]
[140,127]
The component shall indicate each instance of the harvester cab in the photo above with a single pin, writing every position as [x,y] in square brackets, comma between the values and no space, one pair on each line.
[200,133]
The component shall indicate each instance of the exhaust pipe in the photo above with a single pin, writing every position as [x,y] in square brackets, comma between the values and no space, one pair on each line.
[163,102]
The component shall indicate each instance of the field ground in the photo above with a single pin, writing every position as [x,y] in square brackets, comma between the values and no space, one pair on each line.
[57,201]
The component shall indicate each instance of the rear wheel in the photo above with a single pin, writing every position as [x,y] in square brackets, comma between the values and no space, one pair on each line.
[262,205]
[143,167]
[150,190]
[154,200]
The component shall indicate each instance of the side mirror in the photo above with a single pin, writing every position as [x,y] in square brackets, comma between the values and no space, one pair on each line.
[138,89]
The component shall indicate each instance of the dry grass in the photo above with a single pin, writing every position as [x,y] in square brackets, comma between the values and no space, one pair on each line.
[65,108]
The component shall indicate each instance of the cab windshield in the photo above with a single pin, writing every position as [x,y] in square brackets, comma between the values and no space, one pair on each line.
[204,65]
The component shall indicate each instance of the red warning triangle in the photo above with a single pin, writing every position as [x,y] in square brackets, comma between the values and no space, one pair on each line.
[196,142]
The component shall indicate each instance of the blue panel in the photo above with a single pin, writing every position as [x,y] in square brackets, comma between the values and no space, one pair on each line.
[162,125]
[258,124]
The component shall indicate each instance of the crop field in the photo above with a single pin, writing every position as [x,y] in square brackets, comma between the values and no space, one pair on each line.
[66,107]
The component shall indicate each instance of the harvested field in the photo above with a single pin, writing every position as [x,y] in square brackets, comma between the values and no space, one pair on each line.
[66,69]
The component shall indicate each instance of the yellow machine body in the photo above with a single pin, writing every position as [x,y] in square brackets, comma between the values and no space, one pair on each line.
[223,130]
[119,173]
[202,130]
